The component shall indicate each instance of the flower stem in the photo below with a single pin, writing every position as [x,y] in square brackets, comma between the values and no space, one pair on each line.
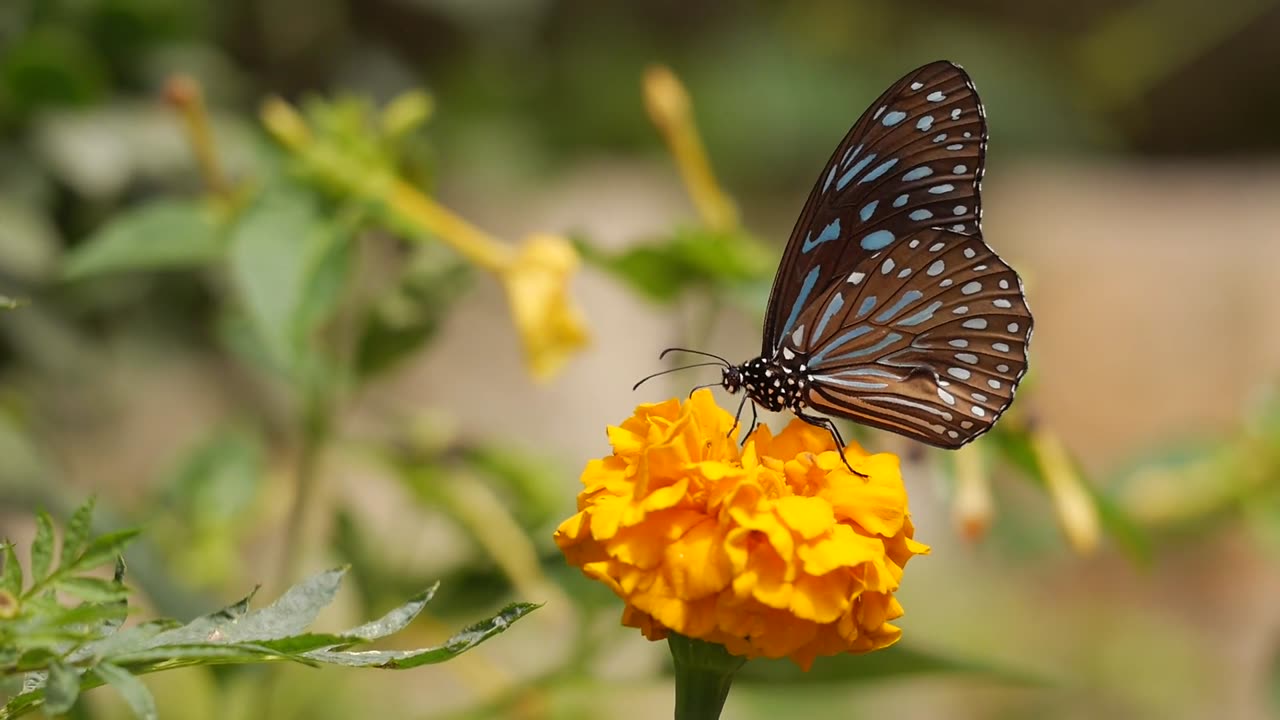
[704,674]
[184,94]
[315,435]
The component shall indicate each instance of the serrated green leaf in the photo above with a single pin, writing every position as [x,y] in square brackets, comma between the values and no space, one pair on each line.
[76,535]
[10,571]
[291,614]
[405,659]
[61,688]
[42,547]
[166,657]
[162,235]
[130,688]
[396,620]
[895,661]
[101,550]
[92,589]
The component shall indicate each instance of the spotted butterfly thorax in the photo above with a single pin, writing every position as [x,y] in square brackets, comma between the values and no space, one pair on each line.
[888,308]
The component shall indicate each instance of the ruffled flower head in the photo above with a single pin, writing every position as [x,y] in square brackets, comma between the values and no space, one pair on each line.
[775,550]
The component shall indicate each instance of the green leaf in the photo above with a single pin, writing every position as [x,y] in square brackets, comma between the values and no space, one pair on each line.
[895,661]
[101,550]
[396,620]
[288,615]
[409,316]
[130,688]
[61,689]
[217,480]
[42,547]
[405,659]
[10,571]
[690,258]
[92,589]
[163,235]
[287,263]
[76,535]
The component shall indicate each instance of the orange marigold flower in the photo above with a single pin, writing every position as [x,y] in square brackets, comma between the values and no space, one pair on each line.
[775,550]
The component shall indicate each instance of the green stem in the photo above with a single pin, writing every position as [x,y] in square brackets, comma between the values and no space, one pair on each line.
[315,435]
[704,674]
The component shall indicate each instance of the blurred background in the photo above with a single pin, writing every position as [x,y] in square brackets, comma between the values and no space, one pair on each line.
[273,368]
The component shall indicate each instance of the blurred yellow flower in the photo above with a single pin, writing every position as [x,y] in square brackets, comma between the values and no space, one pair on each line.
[776,550]
[537,281]
[535,274]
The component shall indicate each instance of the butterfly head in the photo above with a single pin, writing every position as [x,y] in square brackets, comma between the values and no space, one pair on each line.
[770,384]
[731,379]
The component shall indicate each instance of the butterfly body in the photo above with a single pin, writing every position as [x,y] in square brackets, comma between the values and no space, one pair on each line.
[888,307]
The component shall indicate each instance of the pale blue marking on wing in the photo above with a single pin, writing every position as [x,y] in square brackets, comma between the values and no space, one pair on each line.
[833,307]
[868,372]
[855,384]
[877,240]
[920,214]
[919,173]
[940,189]
[805,289]
[900,200]
[893,118]
[867,210]
[829,233]
[890,339]
[830,176]
[881,169]
[907,298]
[846,178]
[924,123]
[867,303]
[935,96]
[850,154]
[923,316]
[855,333]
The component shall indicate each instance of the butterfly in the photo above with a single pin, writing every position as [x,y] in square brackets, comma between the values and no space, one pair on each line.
[888,308]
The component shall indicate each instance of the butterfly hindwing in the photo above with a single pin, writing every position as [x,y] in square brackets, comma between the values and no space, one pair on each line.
[927,338]
[912,161]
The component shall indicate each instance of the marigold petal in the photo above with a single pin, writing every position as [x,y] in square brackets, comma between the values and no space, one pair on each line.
[808,517]
[696,565]
[643,545]
[843,548]
[822,598]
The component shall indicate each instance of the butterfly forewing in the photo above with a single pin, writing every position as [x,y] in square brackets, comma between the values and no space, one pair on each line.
[927,338]
[912,161]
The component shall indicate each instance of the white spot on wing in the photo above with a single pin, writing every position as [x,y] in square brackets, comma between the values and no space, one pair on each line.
[959,373]
[857,277]
[975,324]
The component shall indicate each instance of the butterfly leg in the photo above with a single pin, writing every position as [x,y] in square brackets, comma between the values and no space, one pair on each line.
[830,426]
[738,415]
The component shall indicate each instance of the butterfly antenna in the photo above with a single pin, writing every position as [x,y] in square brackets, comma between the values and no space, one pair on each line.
[695,352]
[671,370]
[699,387]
